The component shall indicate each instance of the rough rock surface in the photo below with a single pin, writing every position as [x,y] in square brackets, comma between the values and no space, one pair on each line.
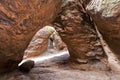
[39,43]
[106,15]
[19,21]
[45,38]
[57,42]
[78,32]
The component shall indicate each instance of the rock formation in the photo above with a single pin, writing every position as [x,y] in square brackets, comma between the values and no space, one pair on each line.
[106,16]
[78,32]
[19,21]
[39,43]
[57,42]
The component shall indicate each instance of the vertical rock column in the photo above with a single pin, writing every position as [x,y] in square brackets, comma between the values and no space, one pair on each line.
[77,31]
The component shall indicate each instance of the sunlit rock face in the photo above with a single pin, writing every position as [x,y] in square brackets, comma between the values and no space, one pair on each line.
[77,31]
[46,38]
[19,21]
[39,42]
[56,42]
[106,15]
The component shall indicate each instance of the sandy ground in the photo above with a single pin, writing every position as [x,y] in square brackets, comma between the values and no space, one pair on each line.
[57,66]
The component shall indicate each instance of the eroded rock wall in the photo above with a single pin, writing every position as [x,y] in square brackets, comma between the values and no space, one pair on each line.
[106,15]
[19,21]
[78,32]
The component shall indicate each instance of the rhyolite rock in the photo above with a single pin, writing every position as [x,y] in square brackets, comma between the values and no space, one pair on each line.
[78,32]
[19,21]
[106,16]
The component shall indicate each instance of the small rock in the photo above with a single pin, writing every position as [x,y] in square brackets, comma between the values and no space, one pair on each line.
[26,66]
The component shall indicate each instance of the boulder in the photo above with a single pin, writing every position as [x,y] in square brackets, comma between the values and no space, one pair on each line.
[26,66]
[19,21]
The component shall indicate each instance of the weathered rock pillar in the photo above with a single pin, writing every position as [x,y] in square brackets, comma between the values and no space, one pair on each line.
[78,32]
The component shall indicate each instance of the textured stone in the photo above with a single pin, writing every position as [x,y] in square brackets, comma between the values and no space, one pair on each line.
[39,43]
[106,15]
[19,21]
[57,42]
[78,32]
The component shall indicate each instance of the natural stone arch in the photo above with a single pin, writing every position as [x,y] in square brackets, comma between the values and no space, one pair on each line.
[73,24]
